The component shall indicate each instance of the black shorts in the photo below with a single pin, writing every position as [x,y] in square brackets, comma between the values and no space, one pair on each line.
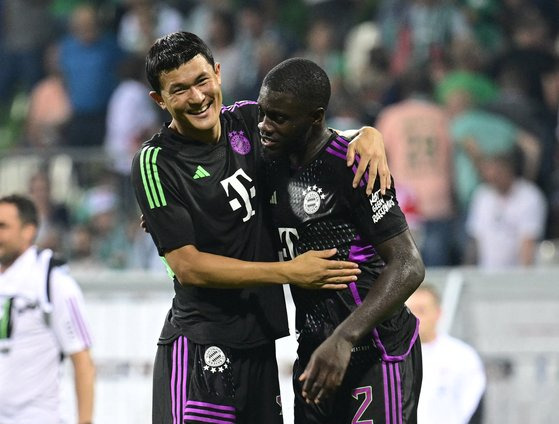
[373,391]
[215,384]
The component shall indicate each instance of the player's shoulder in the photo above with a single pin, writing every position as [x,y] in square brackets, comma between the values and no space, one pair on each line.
[62,283]
[334,153]
[241,110]
[153,151]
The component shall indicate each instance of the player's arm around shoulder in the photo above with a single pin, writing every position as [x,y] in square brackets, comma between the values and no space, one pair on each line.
[366,146]
[312,270]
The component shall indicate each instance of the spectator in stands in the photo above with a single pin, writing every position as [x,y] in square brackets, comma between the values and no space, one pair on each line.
[419,151]
[453,375]
[417,31]
[127,126]
[109,242]
[528,75]
[507,215]
[144,21]
[222,40]
[200,15]
[80,249]
[320,47]
[89,58]
[262,45]
[467,67]
[475,134]
[54,218]
[26,28]
[49,106]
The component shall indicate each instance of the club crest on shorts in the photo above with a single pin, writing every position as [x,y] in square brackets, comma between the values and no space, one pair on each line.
[313,196]
[215,360]
[239,142]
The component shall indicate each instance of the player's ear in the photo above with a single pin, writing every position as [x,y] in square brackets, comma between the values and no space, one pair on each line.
[217,69]
[318,115]
[157,99]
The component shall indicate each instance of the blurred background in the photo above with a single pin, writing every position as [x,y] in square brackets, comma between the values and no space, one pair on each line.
[466,93]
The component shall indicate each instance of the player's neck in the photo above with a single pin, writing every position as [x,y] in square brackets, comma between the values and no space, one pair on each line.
[210,136]
[317,139]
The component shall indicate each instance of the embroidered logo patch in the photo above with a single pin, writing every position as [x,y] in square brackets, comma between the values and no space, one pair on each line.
[215,360]
[313,196]
[239,142]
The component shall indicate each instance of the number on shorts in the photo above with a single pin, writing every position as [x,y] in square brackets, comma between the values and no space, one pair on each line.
[367,392]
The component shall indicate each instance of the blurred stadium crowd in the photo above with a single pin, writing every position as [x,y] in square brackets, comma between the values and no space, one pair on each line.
[466,93]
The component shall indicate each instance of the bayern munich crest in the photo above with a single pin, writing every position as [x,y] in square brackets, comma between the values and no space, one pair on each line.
[239,142]
[313,196]
[215,360]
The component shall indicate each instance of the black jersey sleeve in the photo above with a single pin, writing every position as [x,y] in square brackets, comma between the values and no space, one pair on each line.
[377,217]
[158,193]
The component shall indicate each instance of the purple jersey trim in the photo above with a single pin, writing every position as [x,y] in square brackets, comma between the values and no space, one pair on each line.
[360,252]
[376,337]
[395,358]
[206,420]
[335,153]
[210,405]
[235,105]
[178,378]
[386,396]
[206,412]
[338,145]
[343,141]
[392,393]
[79,322]
[399,393]
[357,159]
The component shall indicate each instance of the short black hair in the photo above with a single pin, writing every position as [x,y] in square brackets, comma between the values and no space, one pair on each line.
[172,51]
[303,78]
[25,207]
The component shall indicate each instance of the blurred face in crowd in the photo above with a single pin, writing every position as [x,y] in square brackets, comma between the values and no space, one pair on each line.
[15,236]
[498,172]
[425,306]
[192,95]
[84,24]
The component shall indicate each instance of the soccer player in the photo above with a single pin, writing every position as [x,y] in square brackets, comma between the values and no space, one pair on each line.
[198,184]
[359,358]
[41,320]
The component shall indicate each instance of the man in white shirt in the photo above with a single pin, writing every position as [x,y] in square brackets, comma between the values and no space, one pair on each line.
[507,216]
[41,320]
[453,374]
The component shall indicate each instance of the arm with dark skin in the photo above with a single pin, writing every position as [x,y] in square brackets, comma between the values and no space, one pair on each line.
[403,273]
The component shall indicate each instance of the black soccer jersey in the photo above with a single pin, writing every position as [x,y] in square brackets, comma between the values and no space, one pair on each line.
[315,207]
[209,196]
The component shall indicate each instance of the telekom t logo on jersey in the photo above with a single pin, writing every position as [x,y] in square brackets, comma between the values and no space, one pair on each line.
[236,184]
[288,237]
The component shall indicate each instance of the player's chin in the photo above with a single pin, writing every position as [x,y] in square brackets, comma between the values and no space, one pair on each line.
[270,154]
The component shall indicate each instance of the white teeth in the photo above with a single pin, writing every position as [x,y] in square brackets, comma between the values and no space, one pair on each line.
[200,111]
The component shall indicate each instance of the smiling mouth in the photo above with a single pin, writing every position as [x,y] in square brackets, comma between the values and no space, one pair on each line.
[201,111]
[267,142]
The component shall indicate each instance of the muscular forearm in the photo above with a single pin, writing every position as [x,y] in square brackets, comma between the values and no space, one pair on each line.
[84,378]
[207,270]
[396,283]
[311,269]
